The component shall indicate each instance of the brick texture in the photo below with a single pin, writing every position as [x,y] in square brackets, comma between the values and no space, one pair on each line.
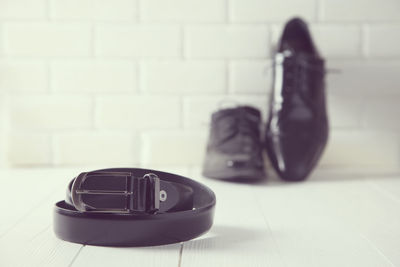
[374,107]
[184,77]
[182,10]
[361,77]
[23,76]
[93,76]
[29,149]
[44,113]
[138,41]
[359,10]
[161,148]
[114,10]
[362,150]
[90,148]
[272,10]
[138,112]
[250,76]
[22,9]
[226,41]
[45,39]
[384,40]
[345,111]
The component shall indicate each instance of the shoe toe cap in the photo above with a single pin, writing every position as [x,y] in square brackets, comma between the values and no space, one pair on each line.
[294,157]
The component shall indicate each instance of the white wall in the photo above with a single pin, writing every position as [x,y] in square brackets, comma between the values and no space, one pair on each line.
[128,82]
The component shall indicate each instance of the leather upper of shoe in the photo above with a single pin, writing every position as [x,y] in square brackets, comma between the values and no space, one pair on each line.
[297,127]
[236,132]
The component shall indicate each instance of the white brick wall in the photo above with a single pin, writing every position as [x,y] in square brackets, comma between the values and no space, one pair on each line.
[238,41]
[139,41]
[25,149]
[48,112]
[93,148]
[183,10]
[79,76]
[364,78]
[249,76]
[384,40]
[374,107]
[138,112]
[18,76]
[360,10]
[31,39]
[22,9]
[272,10]
[197,110]
[173,148]
[201,77]
[133,82]
[370,151]
[112,10]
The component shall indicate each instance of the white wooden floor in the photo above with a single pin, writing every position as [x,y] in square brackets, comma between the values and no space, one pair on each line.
[330,220]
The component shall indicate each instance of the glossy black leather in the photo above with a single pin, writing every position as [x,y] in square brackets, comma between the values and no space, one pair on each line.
[173,223]
[297,128]
[234,148]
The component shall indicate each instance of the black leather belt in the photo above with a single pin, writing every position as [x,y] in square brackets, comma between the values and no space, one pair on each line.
[133,207]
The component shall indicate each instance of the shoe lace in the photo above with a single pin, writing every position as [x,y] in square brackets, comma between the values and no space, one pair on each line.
[292,78]
[241,125]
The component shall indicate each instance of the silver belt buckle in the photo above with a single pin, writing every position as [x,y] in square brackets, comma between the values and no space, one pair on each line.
[142,193]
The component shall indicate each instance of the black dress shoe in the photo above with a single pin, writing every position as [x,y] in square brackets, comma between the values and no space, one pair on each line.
[234,150]
[297,128]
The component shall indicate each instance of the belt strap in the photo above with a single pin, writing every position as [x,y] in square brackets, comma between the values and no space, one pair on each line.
[133,207]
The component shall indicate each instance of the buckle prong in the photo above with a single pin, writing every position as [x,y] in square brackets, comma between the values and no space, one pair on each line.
[104,192]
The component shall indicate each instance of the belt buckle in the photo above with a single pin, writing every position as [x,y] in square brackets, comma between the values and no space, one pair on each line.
[142,193]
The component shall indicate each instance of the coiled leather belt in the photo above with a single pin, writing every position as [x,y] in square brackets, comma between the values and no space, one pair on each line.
[133,207]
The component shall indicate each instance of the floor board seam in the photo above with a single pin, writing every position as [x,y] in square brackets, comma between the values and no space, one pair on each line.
[40,232]
[29,212]
[24,216]
[383,192]
[377,249]
[180,255]
[76,256]
[270,230]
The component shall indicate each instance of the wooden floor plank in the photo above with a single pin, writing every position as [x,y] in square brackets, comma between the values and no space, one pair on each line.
[239,236]
[372,213]
[326,223]
[31,241]
[141,256]
[23,191]
[42,250]
[388,186]
[386,231]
